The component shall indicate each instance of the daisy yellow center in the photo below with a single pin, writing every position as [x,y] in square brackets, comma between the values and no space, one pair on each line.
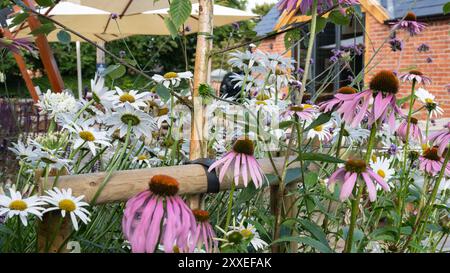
[429,101]
[127,97]
[262,97]
[381,173]
[244,146]
[261,102]
[374,158]
[246,233]
[164,185]
[86,136]
[126,118]
[170,75]
[142,157]
[355,166]
[18,205]
[163,111]
[318,128]
[67,205]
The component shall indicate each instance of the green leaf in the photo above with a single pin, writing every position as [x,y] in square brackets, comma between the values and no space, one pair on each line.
[291,37]
[163,92]
[179,11]
[45,3]
[321,119]
[315,230]
[338,18]
[307,241]
[115,71]
[320,157]
[44,29]
[63,37]
[320,25]
[311,179]
[446,8]
[171,27]
[19,19]
[285,124]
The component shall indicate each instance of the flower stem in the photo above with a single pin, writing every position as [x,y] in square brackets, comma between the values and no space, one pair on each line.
[428,206]
[230,206]
[355,202]
[312,36]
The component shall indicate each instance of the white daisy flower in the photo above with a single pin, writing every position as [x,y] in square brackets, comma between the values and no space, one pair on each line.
[44,157]
[239,79]
[55,104]
[350,135]
[141,123]
[381,166]
[15,204]
[429,101]
[322,132]
[100,93]
[242,60]
[172,78]
[86,134]
[141,159]
[237,234]
[22,152]
[91,113]
[64,200]
[135,99]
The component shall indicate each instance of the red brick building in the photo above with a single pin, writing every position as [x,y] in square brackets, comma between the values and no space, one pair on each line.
[374,32]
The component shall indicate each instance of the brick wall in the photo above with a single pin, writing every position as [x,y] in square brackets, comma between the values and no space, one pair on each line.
[436,35]
[275,44]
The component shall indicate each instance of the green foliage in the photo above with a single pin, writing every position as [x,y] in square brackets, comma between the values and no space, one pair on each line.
[446,8]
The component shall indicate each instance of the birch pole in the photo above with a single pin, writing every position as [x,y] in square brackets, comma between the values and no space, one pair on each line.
[201,75]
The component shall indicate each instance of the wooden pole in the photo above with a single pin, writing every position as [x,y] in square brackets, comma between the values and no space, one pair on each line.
[125,184]
[201,75]
[45,51]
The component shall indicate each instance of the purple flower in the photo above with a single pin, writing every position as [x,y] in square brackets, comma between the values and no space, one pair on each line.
[16,44]
[122,54]
[205,234]
[300,71]
[303,112]
[423,48]
[409,24]
[431,163]
[114,16]
[349,175]
[159,216]
[242,162]
[396,44]
[441,139]
[306,5]
[417,76]
[414,130]
[393,149]
[429,60]
[332,104]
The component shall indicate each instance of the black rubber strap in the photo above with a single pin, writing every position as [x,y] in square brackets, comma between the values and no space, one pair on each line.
[213,181]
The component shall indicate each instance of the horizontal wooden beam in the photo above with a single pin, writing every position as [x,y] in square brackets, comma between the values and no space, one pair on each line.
[123,185]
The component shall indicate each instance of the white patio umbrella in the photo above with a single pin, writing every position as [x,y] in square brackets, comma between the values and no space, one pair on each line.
[126,7]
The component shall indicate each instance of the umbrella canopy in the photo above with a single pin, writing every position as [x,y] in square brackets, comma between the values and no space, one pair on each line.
[152,22]
[98,25]
[88,21]
[126,7]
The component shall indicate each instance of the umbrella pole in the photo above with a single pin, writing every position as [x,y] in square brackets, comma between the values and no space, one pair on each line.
[80,81]
[101,57]
[201,75]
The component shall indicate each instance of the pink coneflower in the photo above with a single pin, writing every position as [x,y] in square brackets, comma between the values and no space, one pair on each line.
[431,163]
[409,24]
[16,44]
[158,215]
[304,112]
[441,139]
[414,130]
[205,233]
[242,161]
[383,87]
[417,76]
[330,105]
[349,175]
[306,5]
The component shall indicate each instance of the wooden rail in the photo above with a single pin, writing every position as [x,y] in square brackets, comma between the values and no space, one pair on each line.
[123,185]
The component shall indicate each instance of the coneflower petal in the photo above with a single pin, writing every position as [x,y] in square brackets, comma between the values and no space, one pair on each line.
[348,186]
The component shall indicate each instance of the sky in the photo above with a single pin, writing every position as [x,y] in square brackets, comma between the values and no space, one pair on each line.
[252,3]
